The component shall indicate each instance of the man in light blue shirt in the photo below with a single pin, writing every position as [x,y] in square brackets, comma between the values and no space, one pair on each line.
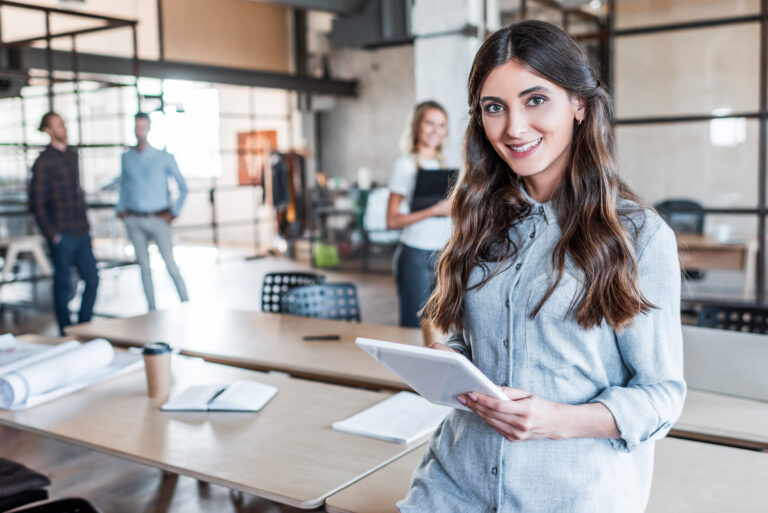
[145,205]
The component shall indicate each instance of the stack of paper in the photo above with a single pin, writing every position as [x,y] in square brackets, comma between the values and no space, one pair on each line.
[242,395]
[404,417]
[31,374]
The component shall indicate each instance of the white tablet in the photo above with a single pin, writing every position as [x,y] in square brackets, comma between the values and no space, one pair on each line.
[439,376]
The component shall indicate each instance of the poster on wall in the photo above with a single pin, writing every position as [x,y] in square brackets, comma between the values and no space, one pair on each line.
[253,150]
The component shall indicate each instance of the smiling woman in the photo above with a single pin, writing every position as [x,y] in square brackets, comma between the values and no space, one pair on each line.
[562,286]
[529,122]
[425,231]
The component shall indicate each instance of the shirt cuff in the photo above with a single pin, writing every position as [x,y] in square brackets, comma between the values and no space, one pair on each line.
[637,420]
[457,342]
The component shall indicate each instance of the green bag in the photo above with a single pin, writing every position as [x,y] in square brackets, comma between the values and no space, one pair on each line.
[325,255]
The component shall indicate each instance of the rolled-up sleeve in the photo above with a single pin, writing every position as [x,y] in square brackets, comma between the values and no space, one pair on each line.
[456,341]
[647,405]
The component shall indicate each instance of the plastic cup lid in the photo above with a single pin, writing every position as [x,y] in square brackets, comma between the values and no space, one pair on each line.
[156,348]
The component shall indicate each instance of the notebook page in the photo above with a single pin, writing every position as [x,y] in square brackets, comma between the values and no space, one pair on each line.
[243,395]
[194,398]
[404,417]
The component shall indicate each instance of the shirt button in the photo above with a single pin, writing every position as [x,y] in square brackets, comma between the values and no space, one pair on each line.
[506,343]
[518,266]
[504,384]
[533,234]
[494,471]
[506,303]
[541,210]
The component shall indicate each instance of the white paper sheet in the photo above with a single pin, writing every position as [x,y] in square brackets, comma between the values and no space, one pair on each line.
[15,354]
[404,417]
[70,368]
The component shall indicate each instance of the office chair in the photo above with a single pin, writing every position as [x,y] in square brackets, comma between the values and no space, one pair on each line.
[336,301]
[736,318]
[20,485]
[375,224]
[684,216]
[278,283]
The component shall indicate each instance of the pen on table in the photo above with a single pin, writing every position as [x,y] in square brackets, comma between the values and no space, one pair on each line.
[321,337]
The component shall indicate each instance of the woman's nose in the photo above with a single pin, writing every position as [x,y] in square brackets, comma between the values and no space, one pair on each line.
[517,124]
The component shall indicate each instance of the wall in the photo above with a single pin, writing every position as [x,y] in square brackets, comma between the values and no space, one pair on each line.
[366,131]
[701,71]
[23,23]
[236,33]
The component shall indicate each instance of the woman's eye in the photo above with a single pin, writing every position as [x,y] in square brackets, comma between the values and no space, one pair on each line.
[535,101]
[493,108]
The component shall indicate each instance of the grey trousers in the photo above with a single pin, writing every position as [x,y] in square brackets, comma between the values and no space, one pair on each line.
[143,230]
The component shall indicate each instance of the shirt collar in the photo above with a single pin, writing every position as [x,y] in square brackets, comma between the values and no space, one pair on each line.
[146,151]
[543,209]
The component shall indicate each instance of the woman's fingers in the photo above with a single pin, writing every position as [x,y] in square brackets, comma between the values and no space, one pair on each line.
[513,415]
[508,431]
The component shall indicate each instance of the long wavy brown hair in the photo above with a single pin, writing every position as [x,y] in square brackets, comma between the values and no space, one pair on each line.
[487,200]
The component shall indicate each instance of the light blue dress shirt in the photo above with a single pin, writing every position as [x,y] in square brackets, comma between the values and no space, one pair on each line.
[144,181]
[636,373]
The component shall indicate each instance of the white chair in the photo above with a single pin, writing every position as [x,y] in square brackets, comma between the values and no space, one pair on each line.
[33,244]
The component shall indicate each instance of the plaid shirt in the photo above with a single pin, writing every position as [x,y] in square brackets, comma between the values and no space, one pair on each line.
[55,196]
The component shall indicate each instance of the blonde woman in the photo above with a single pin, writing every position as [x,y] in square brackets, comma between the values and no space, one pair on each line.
[426,231]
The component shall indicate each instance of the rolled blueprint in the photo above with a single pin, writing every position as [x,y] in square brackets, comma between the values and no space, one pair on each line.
[58,371]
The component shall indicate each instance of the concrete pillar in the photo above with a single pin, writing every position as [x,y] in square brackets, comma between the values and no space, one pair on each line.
[443,56]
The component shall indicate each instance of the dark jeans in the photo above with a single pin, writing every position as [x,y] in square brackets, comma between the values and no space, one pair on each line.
[415,277]
[73,250]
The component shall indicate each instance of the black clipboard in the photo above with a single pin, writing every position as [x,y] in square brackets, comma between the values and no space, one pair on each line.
[432,186]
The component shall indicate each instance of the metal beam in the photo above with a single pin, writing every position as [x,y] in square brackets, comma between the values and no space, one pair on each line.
[103,64]
[79,14]
[334,6]
[685,119]
[668,27]
[28,41]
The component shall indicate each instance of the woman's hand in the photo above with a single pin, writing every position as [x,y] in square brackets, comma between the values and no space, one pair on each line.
[397,221]
[529,417]
[524,417]
[442,347]
[440,209]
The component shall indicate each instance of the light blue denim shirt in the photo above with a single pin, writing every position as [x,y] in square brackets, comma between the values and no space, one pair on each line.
[144,181]
[636,373]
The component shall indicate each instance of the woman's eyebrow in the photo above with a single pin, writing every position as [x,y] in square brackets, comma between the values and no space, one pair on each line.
[533,90]
[491,98]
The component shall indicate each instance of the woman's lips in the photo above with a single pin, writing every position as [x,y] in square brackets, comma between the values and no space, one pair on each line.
[519,151]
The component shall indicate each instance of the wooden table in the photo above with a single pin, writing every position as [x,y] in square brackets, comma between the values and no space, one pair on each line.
[286,453]
[689,477]
[261,341]
[704,252]
[724,419]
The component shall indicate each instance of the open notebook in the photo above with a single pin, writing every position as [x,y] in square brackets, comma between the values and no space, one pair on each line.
[32,374]
[242,395]
[404,417]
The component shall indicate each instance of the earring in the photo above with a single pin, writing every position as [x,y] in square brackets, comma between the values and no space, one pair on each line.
[578,121]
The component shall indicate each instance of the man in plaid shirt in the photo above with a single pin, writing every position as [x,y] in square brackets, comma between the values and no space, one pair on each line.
[58,203]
